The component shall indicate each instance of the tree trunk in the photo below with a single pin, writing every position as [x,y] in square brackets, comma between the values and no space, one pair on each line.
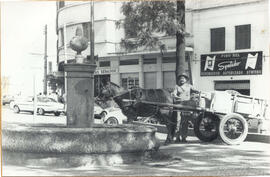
[180,39]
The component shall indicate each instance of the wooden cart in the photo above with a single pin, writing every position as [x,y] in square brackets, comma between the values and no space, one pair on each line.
[221,113]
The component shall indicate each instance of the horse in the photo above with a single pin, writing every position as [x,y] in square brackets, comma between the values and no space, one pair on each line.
[129,102]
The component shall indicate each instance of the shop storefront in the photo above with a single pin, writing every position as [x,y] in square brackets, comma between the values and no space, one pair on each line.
[102,75]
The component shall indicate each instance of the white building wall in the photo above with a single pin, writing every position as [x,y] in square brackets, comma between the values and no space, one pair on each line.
[107,37]
[256,14]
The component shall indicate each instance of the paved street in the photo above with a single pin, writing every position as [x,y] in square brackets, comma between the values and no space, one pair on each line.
[192,159]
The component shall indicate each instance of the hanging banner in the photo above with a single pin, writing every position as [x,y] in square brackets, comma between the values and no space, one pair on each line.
[244,63]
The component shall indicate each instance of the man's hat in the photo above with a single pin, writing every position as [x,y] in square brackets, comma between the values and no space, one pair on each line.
[183,74]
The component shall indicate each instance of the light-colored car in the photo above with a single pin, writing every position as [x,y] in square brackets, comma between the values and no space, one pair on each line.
[6,99]
[111,115]
[43,105]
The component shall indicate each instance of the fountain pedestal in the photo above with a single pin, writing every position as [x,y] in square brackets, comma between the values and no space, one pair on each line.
[80,94]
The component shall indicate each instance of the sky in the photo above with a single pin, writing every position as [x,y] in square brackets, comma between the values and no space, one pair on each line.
[22,34]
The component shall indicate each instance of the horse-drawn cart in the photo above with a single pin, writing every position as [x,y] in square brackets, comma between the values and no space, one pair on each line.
[221,113]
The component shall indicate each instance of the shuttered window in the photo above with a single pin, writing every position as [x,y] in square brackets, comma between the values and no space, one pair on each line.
[104,63]
[242,37]
[61,38]
[150,80]
[149,61]
[169,80]
[169,60]
[217,39]
[129,62]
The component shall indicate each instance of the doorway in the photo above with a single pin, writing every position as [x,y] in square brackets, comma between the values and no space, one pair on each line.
[241,86]
[97,83]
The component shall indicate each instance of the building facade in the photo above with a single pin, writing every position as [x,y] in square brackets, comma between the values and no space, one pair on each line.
[224,40]
[231,46]
[144,68]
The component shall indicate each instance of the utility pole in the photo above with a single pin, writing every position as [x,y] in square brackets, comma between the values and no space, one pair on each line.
[45,63]
[92,43]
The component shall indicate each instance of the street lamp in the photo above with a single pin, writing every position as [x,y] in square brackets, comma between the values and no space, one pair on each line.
[92,40]
[45,63]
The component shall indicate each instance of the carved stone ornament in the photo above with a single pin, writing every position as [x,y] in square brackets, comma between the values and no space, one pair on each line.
[79,43]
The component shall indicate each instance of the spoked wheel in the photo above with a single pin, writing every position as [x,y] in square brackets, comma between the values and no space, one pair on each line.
[233,129]
[40,111]
[206,127]
[112,121]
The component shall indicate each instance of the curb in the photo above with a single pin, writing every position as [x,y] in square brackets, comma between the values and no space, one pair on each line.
[252,137]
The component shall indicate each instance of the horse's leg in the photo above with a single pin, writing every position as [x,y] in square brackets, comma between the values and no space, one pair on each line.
[171,126]
[170,133]
[130,113]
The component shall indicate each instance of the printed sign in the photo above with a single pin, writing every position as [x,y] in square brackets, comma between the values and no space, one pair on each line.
[245,63]
[105,71]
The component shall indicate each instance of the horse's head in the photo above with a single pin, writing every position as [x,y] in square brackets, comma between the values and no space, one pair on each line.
[127,100]
[109,90]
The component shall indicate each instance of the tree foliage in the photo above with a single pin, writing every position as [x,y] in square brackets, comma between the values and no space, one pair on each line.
[55,82]
[146,21]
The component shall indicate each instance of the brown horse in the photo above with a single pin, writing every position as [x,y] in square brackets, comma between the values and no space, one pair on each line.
[129,102]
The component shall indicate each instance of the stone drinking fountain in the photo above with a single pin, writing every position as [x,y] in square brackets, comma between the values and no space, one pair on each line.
[80,135]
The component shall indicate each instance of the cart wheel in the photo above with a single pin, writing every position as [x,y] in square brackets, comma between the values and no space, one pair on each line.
[206,127]
[233,129]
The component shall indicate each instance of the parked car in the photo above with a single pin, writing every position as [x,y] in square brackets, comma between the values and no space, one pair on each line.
[43,105]
[111,115]
[6,99]
[98,111]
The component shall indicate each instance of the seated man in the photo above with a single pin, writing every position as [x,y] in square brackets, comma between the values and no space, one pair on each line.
[182,95]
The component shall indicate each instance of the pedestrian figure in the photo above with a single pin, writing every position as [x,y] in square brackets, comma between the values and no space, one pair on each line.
[181,94]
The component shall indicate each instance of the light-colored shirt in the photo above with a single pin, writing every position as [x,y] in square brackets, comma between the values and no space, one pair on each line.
[182,93]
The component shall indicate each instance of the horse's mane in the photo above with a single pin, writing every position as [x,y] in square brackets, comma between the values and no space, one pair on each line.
[114,84]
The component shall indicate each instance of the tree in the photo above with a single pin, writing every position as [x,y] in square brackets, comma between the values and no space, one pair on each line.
[146,21]
[55,82]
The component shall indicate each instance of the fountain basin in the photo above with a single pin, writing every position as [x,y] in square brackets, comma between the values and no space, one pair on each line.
[98,139]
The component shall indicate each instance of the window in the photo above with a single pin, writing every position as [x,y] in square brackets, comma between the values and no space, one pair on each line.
[242,37]
[129,80]
[169,80]
[150,80]
[86,30]
[129,62]
[168,60]
[61,4]
[61,41]
[104,64]
[149,61]
[217,39]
